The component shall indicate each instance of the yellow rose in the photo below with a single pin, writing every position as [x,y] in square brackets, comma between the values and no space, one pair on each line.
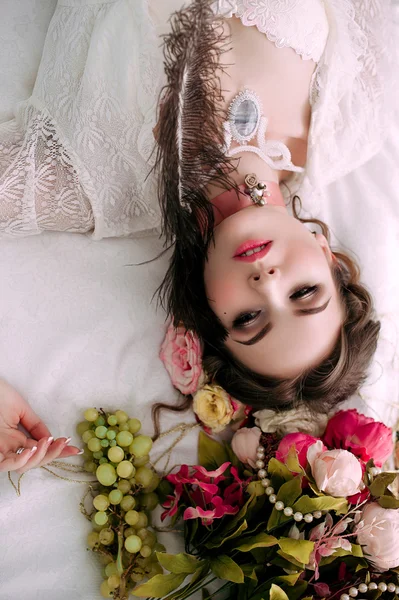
[213,407]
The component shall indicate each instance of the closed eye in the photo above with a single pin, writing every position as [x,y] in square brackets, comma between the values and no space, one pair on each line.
[245,319]
[305,291]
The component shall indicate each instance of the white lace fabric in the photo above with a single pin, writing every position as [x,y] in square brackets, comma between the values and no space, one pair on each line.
[78,155]
[298,24]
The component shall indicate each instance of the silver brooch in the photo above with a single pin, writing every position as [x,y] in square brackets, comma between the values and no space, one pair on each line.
[257,190]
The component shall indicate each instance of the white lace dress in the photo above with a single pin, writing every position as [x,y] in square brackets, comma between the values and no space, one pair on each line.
[78,155]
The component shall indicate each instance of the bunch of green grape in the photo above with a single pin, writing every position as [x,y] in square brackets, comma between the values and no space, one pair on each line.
[124,499]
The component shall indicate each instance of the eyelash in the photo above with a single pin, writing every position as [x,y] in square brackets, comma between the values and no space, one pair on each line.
[305,292]
[242,320]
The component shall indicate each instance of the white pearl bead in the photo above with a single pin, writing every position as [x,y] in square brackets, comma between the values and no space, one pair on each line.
[288,511]
[260,455]
[265,482]
[272,498]
[363,588]
[279,505]
[260,449]
[308,518]
[259,464]
[396,589]
[317,514]
[353,592]
[373,586]
[391,587]
[344,597]
[382,586]
[298,516]
[374,471]
[269,490]
[262,473]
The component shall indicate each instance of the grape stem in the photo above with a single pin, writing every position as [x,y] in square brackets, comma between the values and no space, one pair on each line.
[120,548]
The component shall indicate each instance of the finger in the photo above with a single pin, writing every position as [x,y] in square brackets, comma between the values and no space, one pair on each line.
[14,462]
[54,450]
[33,424]
[42,447]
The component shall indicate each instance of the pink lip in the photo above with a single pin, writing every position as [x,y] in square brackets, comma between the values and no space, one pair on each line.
[249,245]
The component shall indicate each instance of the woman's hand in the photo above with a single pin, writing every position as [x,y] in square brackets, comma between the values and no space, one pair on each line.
[40,447]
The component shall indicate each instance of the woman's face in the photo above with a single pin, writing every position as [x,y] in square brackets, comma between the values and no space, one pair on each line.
[280,306]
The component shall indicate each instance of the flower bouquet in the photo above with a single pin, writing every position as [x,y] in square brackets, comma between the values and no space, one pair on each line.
[290,518]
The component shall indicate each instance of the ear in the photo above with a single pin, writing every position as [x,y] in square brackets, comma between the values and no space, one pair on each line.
[324,245]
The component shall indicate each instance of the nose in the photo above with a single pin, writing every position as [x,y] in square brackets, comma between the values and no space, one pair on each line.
[263,275]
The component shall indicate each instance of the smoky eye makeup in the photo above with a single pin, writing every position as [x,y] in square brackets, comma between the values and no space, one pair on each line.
[245,319]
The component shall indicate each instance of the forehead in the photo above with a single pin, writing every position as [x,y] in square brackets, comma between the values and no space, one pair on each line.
[295,343]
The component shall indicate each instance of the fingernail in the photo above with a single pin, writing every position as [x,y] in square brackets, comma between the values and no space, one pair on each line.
[80,452]
[67,441]
[33,450]
[50,440]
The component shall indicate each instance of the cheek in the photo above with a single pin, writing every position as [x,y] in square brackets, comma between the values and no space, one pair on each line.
[224,292]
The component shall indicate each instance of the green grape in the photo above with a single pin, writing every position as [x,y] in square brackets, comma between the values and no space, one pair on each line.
[106,474]
[99,421]
[103,460]
[134,425]
[101,502]
[111,434]
[150,538]
[111,569]
[107,536]
[137,575]
[82,427]
[142,520]
[140,462]
[144,476]
[129,531]
[114,582]
[124,438]
[97,455]
[121,416]
[156,569]
[88,435]
[116,454]
[105,590]
[90,466]
[104,443]
[94,445]
[153,485]
[124,486]
[93,539]
[124,427]
[87,455]
[112,443]
[132,481]
[145,563]
[100,517]
[128,502]
[141,446]
[149,501]
[91,414]
[132,517]
[101,432]
[133,544]
[112,420]
[142,533]
[125,469]
[115,496]
[145,550]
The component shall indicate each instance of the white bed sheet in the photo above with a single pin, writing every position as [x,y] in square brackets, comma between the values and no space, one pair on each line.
[78,328]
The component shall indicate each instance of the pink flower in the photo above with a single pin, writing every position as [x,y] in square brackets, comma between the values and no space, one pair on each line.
[183,476]
[181,353]
[378,533]
[301,443]
[207,516]
[363,436]
[245,443]
[336,472]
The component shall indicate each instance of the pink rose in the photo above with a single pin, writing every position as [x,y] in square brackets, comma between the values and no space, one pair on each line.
[336,472]
[363,436]
[245,443]
[301,443]
[378,533]
[181,353]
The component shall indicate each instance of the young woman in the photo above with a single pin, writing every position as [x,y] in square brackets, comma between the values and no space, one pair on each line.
[283,318]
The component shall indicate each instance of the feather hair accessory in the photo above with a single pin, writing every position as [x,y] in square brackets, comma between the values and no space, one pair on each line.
[190,131]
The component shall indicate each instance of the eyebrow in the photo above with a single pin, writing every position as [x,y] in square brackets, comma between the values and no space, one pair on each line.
[267,328]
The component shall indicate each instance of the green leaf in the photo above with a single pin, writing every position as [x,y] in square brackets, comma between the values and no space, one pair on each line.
[298,549]
[262,540]
[388,502]
[292,461]
[200,575]
[178,563]
[288,559]
[221,539]
[160,585]
[249,571]
[306,504]
[278,471]
[224,567]
[288,493]
[380,483]
[211,454]
[289,579]
[276,593]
